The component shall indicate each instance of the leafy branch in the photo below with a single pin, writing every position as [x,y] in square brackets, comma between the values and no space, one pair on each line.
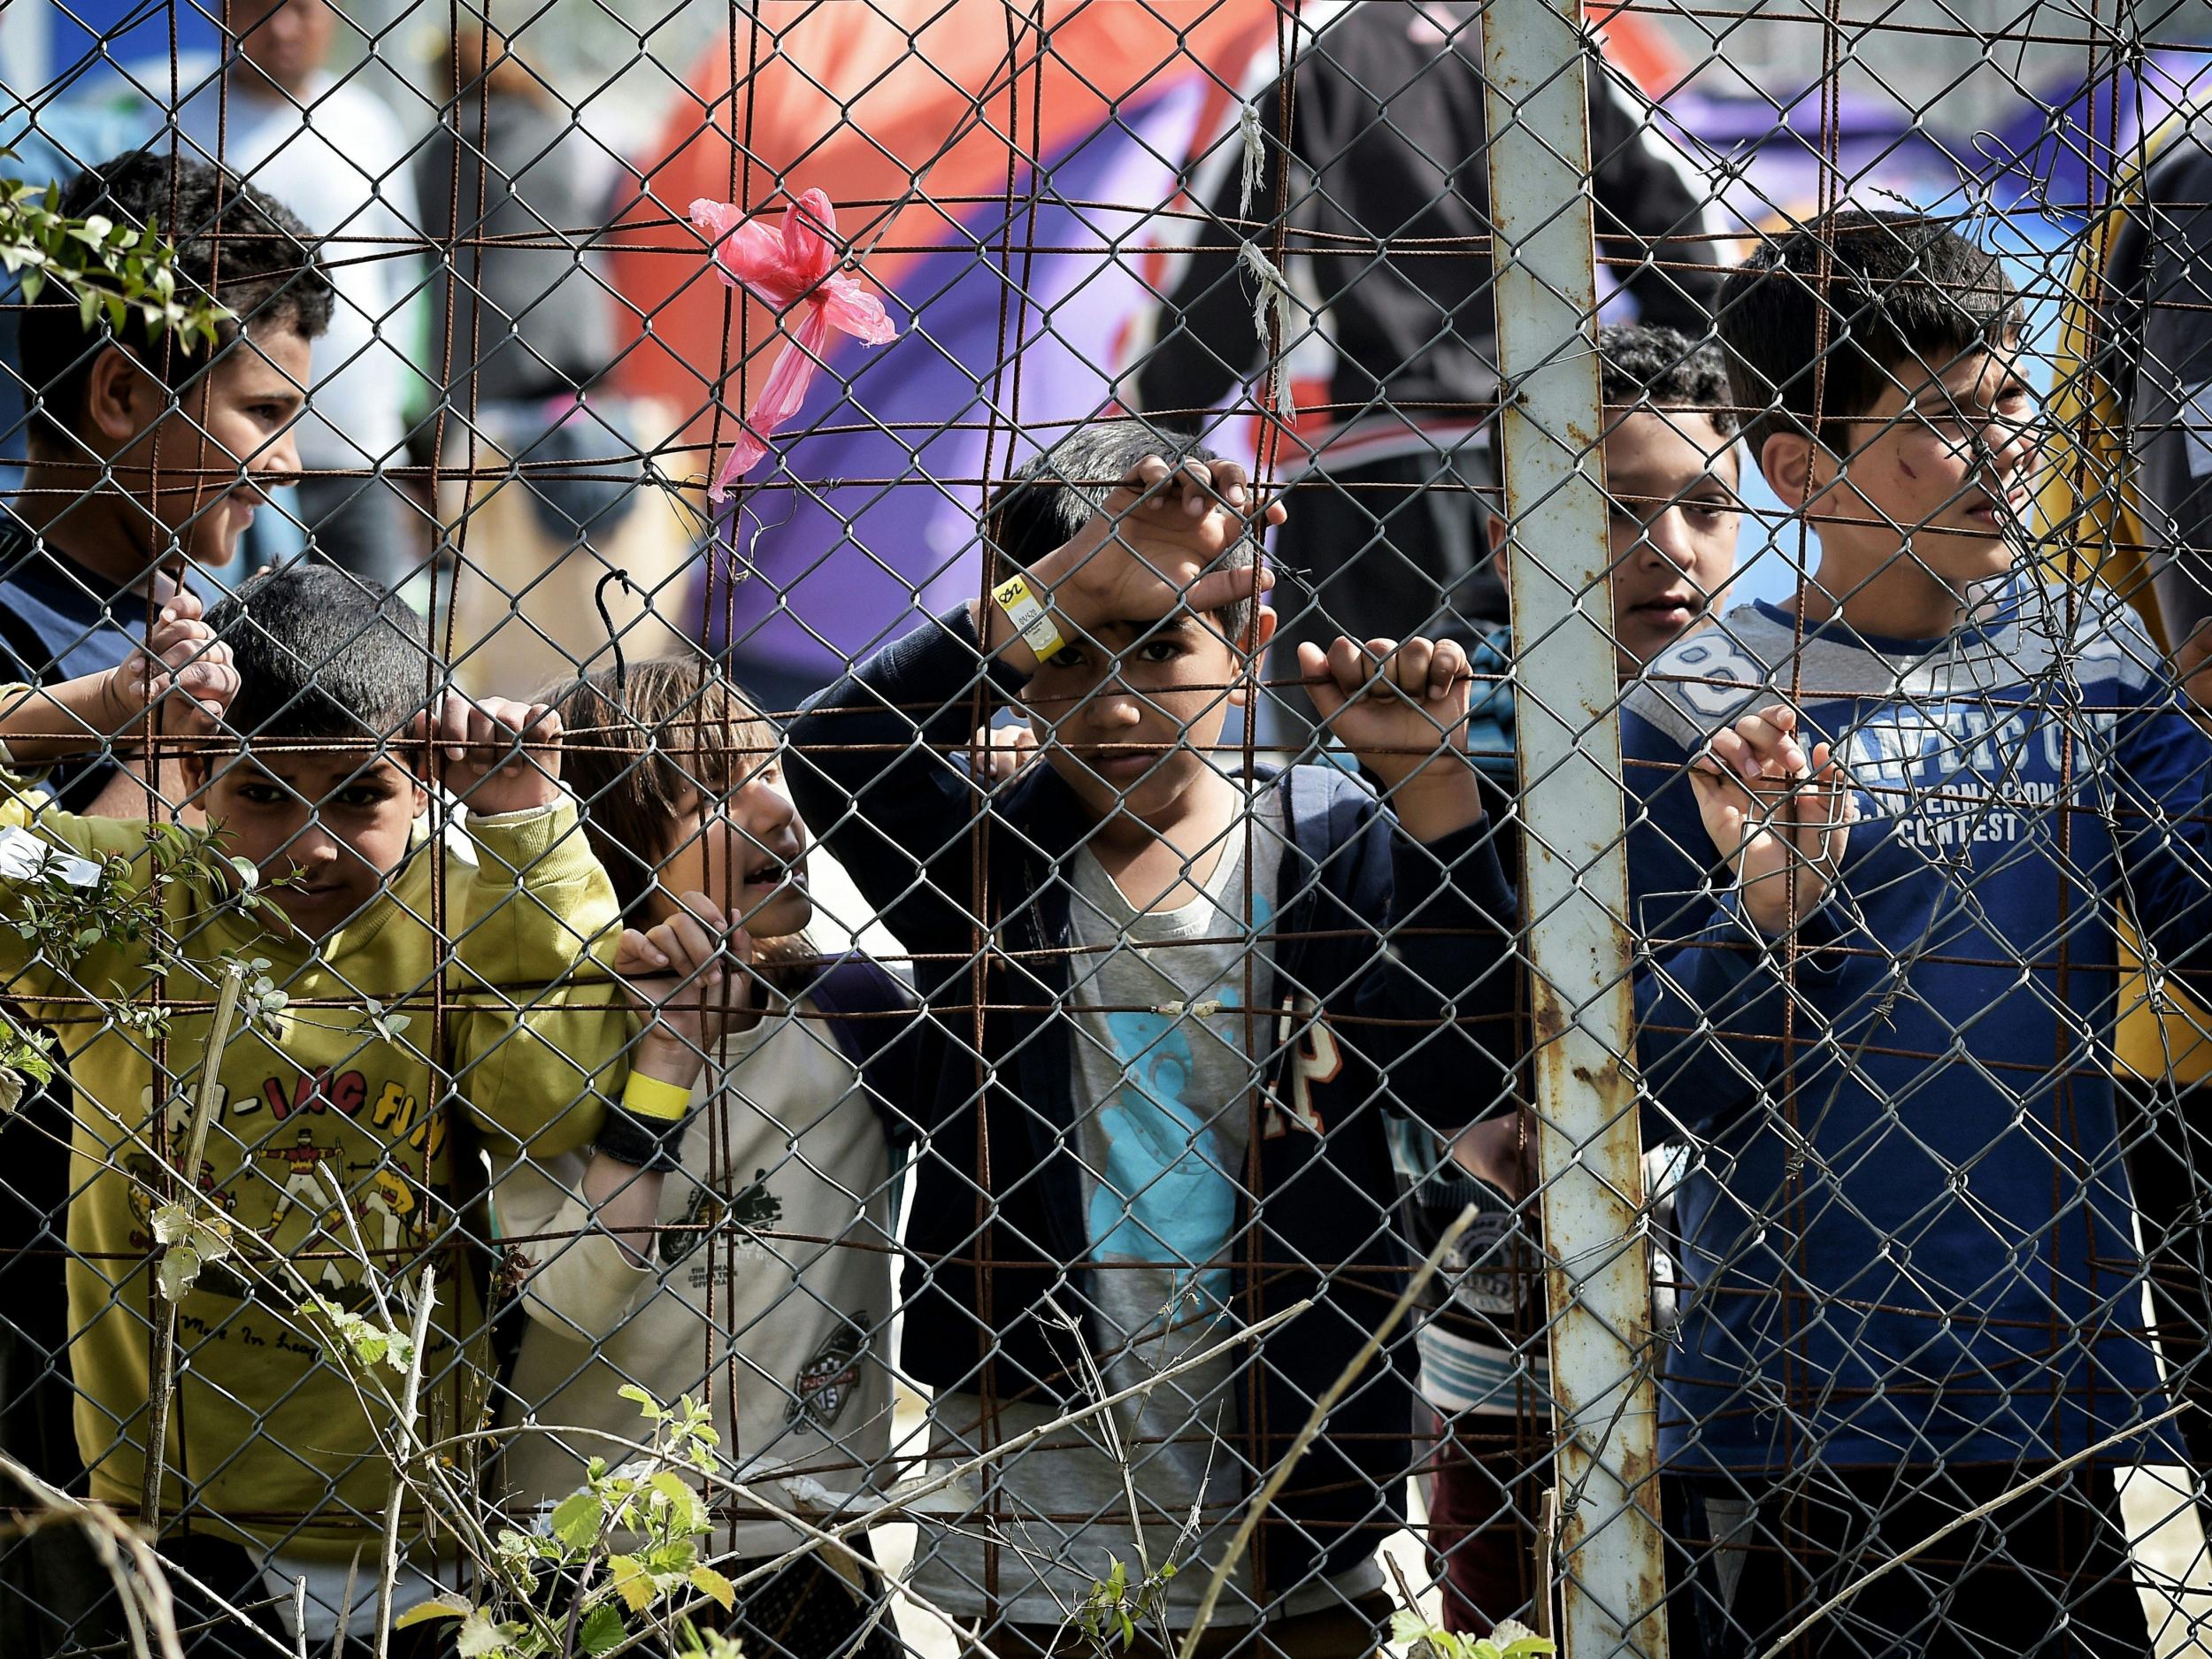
[1115,1609]
[1421,1640]
[109,268]
[627,1540]
[69,907]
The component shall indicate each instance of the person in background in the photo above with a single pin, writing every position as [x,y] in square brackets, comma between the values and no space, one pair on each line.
[565,547]
[529,322]
[1392,476]
[2127,500]
[90,550]
[1671,465]
[332,149]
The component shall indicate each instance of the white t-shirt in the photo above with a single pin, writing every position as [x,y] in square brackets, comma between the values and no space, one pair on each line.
[338,159]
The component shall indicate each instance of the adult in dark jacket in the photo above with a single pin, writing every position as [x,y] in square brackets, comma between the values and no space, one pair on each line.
[1377,971]
[527,309]
[1388,146]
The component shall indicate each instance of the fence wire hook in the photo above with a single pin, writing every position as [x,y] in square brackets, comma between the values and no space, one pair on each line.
[606,619]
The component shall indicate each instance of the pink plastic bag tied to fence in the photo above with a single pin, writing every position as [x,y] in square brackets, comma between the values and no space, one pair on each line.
[796,266]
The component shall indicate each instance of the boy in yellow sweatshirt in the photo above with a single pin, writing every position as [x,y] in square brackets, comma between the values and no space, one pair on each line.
[316,777]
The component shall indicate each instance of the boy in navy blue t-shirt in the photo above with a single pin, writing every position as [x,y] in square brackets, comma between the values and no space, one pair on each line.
[1913,1281]
[147,456]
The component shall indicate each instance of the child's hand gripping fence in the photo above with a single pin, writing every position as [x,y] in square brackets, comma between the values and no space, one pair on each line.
[722,1071]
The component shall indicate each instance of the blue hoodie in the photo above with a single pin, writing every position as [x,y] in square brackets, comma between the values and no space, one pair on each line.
[1912,1243]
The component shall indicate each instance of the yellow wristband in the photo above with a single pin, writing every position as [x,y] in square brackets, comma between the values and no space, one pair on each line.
[650,1097]
[1026,612]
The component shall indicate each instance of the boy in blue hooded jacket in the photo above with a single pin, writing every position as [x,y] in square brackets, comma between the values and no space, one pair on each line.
[1671,472]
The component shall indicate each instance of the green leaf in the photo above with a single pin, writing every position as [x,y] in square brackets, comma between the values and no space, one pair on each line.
[479,1637]
[712,1585]
[34,283]
[647,1405]
[631,1582]
[423,1612]
[576,1520]
[602,1630]
[171,1222]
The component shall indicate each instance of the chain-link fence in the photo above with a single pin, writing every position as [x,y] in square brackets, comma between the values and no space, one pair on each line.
[1038,826]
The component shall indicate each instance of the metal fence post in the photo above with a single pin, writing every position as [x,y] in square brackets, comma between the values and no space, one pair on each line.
[1598,1280]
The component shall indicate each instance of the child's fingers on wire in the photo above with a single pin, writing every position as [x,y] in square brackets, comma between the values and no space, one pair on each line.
[540,725]
[1320,680]
[700,951]
[1233,484]
[1197,481]
[1217,590]
[669,947]
[449,725]
[1421,669]
[1769,752]
[1447,667]
[176,603]
[1727,750]
[635,953]
[1402,665]
[1351,665]
[1141,486]
[497,720]
[213,684]
[176,634]
[1714,782]
[702,906]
